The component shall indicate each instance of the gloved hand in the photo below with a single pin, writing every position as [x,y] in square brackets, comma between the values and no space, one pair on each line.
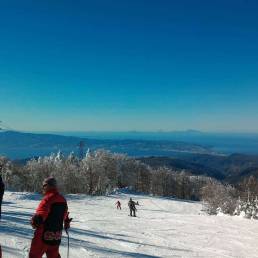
[36,221]
[67,222]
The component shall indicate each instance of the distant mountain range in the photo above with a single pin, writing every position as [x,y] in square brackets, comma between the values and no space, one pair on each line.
[23,145]
[232,168]
[228,143]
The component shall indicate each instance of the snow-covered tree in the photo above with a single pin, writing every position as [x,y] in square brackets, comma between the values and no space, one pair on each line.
[219,197]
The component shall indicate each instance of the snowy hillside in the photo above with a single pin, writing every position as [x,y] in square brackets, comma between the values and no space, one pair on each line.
[164,228]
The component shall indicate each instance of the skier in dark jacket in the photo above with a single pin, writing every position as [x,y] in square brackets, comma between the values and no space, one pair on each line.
[48,221]
[1,195]
[131,205]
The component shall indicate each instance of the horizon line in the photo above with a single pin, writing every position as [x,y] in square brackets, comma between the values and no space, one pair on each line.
[190,131]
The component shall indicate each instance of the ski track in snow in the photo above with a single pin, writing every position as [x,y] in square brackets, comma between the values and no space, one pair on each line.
[164,228]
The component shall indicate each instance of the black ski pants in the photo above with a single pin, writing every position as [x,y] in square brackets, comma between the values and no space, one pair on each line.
[132,212]
[1,199]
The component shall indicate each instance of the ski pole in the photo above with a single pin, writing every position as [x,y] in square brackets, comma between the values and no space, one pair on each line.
[68,243]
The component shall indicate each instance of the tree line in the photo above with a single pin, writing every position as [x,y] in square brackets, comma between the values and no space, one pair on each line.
[100,172]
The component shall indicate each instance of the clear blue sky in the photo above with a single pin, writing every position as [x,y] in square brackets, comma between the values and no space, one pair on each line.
[129,65]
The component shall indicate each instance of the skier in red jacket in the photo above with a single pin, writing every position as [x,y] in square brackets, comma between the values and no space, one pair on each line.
[118,205]
[48,221]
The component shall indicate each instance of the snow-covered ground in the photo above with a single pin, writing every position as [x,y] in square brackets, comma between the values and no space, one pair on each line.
[163,228]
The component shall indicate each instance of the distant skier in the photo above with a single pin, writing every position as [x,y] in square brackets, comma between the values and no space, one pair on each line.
[1,195]
[118,205]
[48,221]
[131,205]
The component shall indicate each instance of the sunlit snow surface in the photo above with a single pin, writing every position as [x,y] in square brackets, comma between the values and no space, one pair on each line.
[163,228]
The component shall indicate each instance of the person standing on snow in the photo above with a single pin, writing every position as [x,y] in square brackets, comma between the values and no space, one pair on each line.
[118,205]
[48,221]
[1,194]
[131,205]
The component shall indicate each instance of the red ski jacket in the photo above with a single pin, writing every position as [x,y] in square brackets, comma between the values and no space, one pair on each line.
[50,216]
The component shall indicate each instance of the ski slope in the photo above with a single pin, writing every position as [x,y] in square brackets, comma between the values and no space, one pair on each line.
[163,228]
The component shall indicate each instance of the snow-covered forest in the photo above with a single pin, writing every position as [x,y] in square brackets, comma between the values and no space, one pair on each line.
[100,172]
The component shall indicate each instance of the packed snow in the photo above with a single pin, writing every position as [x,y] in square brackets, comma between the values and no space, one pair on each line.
[163,228]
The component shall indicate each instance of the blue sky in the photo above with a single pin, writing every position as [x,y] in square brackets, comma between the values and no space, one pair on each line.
[129,65]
